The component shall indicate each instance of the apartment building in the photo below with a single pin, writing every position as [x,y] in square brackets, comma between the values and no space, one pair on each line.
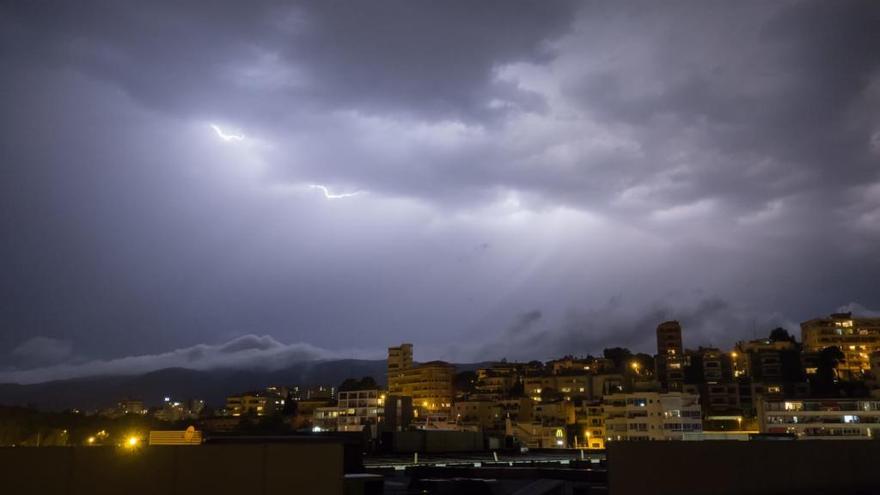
[669,362]
[591,420]
[651,416]
[359,409]
[856,337]
[254,403]
[822,419]
[429,384]
[481,414]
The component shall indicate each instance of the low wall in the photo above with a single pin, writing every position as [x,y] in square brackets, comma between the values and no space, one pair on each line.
[744,468]
[437,441]
[265,469]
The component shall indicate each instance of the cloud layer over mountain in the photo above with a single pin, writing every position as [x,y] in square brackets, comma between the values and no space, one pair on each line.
[245,352]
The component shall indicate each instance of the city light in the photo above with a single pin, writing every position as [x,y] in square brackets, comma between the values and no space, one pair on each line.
[132,442]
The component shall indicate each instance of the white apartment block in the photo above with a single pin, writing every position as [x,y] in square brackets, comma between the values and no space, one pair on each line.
[822,419]
[651,416]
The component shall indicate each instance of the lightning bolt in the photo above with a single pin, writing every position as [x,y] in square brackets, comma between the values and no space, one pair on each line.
[329,195]
[226,137]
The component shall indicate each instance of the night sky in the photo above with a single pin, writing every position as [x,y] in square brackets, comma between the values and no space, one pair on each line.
[210,184]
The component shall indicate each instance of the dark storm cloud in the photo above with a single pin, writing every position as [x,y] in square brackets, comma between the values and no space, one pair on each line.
[641,152]
[707,320]
[433,58]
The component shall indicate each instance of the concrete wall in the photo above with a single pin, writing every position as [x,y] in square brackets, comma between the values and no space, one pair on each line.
[437,441]
[263,469]
[744,468]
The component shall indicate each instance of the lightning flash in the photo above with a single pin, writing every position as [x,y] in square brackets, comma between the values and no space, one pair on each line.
[226,137]
[329,195]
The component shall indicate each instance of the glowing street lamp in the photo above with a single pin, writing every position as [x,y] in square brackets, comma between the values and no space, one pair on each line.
[132,442]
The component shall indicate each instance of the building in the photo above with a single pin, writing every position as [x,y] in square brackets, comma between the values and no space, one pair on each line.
[359,409]
[517,409]
[254,404]
[429,384]
[651,416]
[482,414]
[857,338]
[172,410]
[325,418]
[556,413]
[398,413]
[670,356]
[710,375]
[400,358]
[591,419]
[499,380]
[762,359]
[130,406]
[822,419]
[536,435]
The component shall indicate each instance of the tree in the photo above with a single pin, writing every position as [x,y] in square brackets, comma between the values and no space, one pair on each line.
[780,334]
[620,356]
[645,363]
[349,384]
[368,383]
[825,380]
[464,382]
[365,383]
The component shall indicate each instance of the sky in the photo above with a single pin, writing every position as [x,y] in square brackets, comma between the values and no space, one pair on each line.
[218,183]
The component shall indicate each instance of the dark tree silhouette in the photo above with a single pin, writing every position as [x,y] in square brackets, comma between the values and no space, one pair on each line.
[780,334]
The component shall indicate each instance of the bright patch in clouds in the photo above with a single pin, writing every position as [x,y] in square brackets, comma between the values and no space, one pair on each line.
[226,137]
[330,195]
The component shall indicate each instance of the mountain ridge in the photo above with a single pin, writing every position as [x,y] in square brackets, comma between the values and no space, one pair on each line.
[102,391]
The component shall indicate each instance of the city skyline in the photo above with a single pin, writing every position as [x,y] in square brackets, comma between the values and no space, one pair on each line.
[252,352]
[314,180]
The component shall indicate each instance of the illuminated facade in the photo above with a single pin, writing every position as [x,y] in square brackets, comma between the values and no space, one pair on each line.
[670,356]
[651,416]
[253,403]
[591,419]
[857,338]
[429,384]
[130,406]
[359,409]
[822,419]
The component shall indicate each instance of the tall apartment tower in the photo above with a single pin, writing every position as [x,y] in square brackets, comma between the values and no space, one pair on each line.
[400,358]
[670,356]
[429,385]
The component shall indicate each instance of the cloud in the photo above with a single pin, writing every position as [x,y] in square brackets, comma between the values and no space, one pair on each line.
[706,321]
[649,151]
[42,351]
[245,352]
[858,310]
